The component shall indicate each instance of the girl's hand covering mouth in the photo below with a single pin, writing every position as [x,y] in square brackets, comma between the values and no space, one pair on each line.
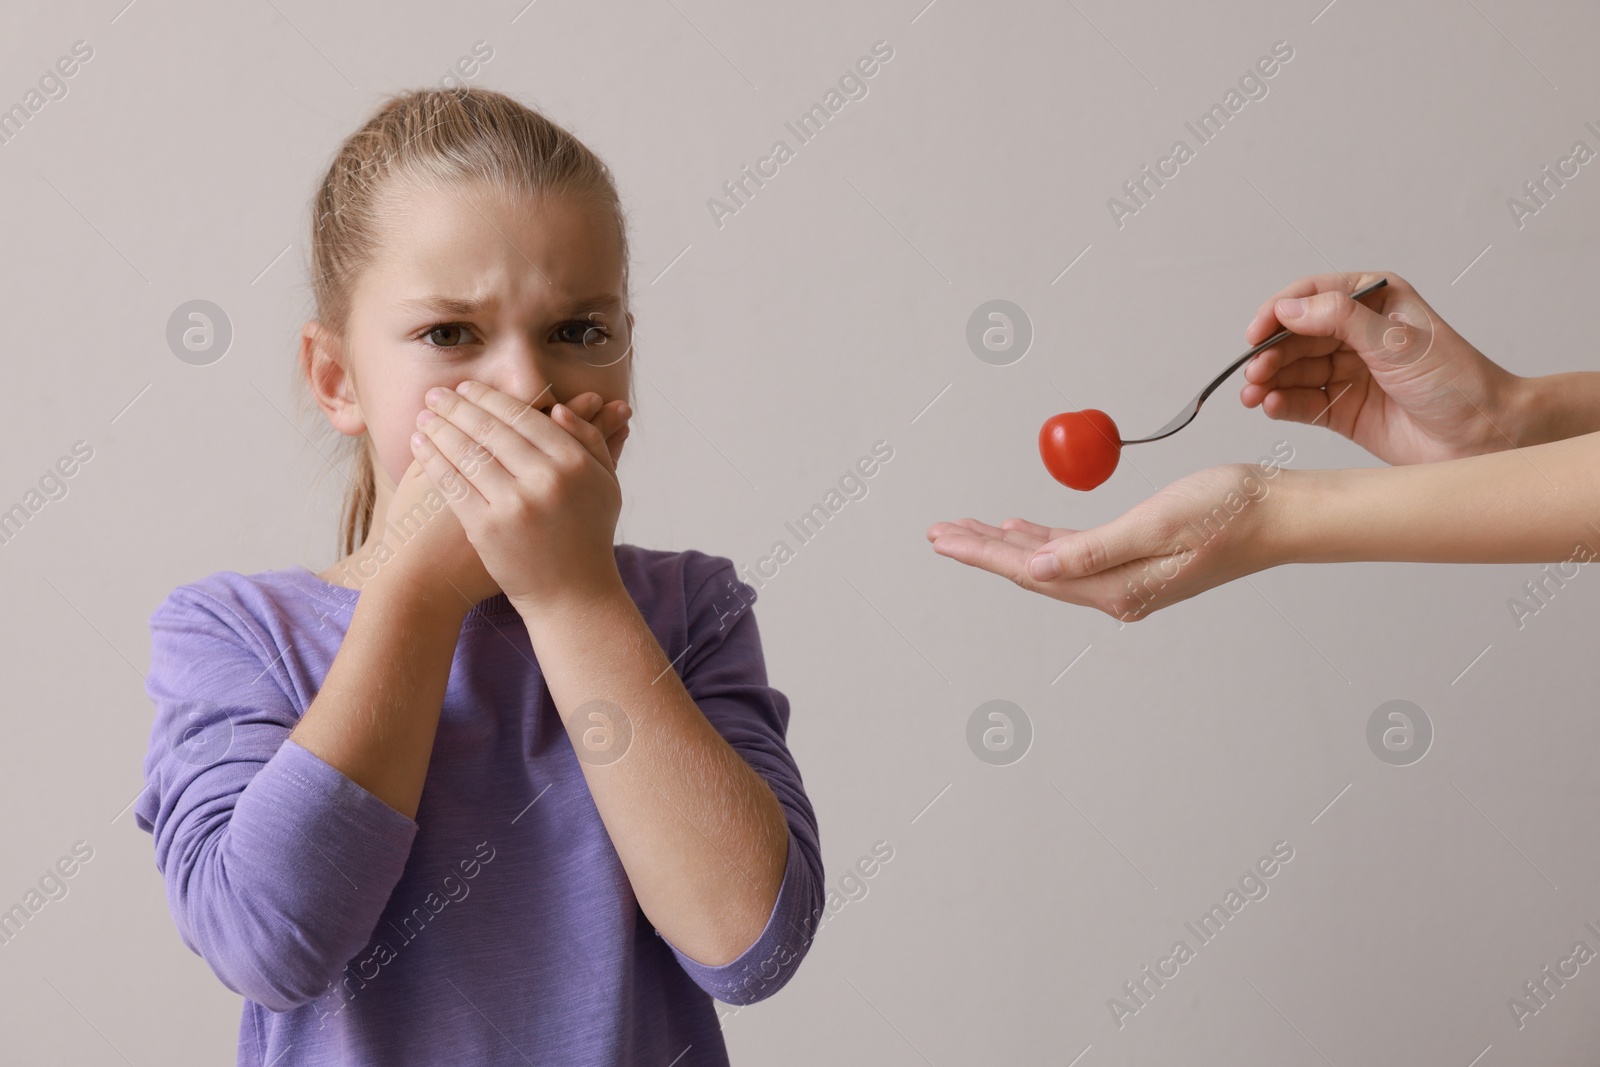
[535,491]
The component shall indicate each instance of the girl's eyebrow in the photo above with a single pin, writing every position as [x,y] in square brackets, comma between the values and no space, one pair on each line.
[446,305]
[601,302]
[455,305]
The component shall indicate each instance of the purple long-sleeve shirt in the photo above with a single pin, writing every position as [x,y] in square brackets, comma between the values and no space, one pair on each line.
[499,926]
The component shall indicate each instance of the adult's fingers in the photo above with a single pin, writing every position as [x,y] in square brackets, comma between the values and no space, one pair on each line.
[1294,361]
[982,549]
[977,548]
[1006,531]
[1032,529]
[1265,323]
[1377,339]
[1081,553]
[1324,407]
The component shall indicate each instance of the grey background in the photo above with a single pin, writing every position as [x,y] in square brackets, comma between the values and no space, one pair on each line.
[772,352]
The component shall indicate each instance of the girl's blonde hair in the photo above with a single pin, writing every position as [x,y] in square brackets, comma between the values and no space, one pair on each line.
[432,139]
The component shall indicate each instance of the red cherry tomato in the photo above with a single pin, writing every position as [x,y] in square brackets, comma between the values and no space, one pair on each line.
[1080,449]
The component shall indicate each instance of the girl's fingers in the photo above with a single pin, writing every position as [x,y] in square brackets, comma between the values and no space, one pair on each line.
[586,433]
[590,405]
[614,444]
[608,418]
[526,420]
[459,492]
[491,457]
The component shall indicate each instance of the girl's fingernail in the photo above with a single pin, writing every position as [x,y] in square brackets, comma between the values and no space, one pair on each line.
[1044,567]
[1291,307]
[425,416]
[556,409]
[418,440]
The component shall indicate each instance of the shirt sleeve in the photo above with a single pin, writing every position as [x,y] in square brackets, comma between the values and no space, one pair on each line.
[724,671]
[277,865]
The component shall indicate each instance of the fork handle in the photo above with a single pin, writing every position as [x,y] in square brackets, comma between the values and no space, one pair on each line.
[1181,421]
[1281,335]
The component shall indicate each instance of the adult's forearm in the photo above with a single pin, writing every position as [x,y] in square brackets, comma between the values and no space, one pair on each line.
[1527,505]
[377,712]
[1553,407]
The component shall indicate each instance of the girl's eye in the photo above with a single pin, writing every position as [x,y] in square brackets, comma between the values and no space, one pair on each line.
[580,332]
[448,330]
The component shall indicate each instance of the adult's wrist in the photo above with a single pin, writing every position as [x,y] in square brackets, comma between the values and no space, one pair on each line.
[1525,412]
[1293,514]
[1552,407]
[1350,514]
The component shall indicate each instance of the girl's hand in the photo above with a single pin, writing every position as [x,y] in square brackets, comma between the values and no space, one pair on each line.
[541,497]
[435,554]
[1389,373]
[1205,529]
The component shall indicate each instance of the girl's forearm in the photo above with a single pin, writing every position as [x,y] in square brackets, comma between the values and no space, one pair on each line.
[702,837]
[1554,407]
[376,714]
[1529,505]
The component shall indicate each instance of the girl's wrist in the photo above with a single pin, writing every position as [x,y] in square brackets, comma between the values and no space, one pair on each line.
[570,602]
[417,590]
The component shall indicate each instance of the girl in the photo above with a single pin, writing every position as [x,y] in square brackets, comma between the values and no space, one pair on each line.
[492,789]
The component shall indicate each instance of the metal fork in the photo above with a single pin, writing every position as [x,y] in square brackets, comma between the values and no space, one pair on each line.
[1187,415]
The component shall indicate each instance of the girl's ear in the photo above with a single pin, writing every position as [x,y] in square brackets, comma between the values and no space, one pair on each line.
[323,364]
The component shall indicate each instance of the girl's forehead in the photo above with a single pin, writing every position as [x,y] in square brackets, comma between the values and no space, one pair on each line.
[438,213]
[471,243]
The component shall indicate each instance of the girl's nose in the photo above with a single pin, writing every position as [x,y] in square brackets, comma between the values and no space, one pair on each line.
[520,377]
